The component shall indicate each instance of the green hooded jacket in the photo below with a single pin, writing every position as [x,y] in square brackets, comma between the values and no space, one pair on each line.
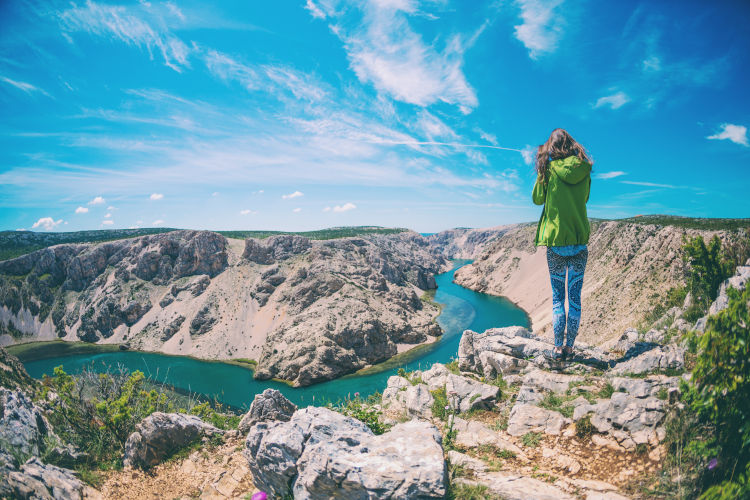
[564,194]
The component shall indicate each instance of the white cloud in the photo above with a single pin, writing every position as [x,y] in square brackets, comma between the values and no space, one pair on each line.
[529,154]
[110,208]
[650,184]
[614,101]
[107,222]
[215,194]
[127,25]
[46,223]
[157,222]
[542,27]
[735,133]
[297,210]
[327,209]
[247,211]
[295,194]
[609,175]
[314,10]
[156,196]
[108,216]
[491,138]
[345,207]
[26,87]
[385,51]
[82,210]
[97,201]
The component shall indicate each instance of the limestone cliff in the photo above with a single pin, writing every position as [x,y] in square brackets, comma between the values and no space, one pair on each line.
[305,310]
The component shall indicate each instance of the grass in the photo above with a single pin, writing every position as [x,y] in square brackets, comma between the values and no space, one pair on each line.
[463,491]
[606,391]
[531,439]
[584,428]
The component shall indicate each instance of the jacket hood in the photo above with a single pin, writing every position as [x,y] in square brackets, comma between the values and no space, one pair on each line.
[571,170]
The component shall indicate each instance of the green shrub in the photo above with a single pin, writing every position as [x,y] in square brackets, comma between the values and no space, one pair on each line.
[440,403]
[707,266]
[720,391]
[531,439]
[99,423]
[584,428]
[364,411]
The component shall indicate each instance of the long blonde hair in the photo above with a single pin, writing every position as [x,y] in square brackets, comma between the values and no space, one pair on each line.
[559,145]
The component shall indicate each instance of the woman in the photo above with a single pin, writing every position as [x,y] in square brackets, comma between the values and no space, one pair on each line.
[562,185]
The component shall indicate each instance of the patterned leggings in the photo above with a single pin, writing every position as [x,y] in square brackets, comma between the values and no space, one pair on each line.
[575,266]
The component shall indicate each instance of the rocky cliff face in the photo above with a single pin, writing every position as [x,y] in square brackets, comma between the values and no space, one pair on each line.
[305,310]
[466,243]
[630,268]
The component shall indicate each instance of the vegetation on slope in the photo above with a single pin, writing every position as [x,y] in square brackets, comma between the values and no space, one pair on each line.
[17,243]
[318,234]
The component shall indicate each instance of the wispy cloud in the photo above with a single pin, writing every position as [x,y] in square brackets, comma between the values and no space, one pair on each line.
[97,201]
[297,210]
[82,210]
[156,196]
[129,25]
[46,223]
[735,133]
[158,222]
[384,50]
[614,101]
[248,212]
[289,196]
[650,184]
[609,175]
[107,222]
[542,26]
[26,87]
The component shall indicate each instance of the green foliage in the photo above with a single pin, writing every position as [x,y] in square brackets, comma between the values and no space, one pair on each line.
[584,428]
[531,439]
[452,367]
[440,406]
[215,416]
[364,411]
[606,391]
[707,268]
[464,491]
[720,390]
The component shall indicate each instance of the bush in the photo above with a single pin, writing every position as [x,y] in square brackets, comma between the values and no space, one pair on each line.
[97,413]
[720,393]
[364,411]
[707,265]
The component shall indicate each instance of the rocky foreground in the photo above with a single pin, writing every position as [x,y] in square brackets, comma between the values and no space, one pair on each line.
[305,310]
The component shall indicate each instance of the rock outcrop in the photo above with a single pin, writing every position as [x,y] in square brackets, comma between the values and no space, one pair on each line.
[39,481]
[319,453]
[161,434]
[268,405]
[23,426]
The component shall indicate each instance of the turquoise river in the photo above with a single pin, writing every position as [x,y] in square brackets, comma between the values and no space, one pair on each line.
[234,385]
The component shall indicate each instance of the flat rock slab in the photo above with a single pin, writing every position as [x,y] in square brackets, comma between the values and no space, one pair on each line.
[526,418]
[669,357]
[517,342]
[645,387]
[470,434]
[558,383]
[321,454]
[517,487]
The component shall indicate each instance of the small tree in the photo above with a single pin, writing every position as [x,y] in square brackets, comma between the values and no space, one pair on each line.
[720,394]
[707,268]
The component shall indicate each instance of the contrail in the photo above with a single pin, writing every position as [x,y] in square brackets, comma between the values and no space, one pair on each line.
[452,144]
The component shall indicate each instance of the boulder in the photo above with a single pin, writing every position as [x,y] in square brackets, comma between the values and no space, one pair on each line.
[466,394]
[161,434]
[23,426]
[645,387]
[412,400]
[548,381]
[628,419]
[36,480]
[467,463]
[319,453]
[268,405]
[529,418]
[435,377]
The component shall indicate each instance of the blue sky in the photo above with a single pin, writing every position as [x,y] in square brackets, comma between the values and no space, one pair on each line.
[306,114]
